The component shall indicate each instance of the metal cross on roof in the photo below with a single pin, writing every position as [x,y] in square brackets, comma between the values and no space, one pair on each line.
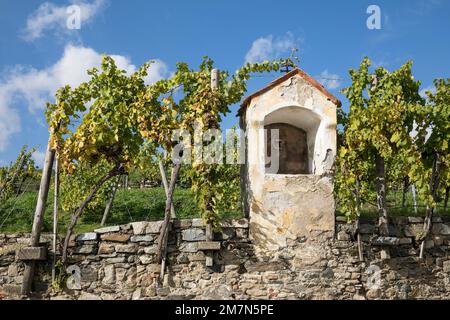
[289,62]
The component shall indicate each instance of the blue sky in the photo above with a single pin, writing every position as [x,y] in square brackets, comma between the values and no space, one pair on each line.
[38,53]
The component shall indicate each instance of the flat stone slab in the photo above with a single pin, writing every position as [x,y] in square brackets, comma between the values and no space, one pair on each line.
[86,236]
[86,249]
[108,229]
[182,223]
[115,237]
[139,227]
[235,223]
[385,241]
[154,226]
[193,235]
[441,229]
[32,253]
[189,247]
[415,219]
[366,228]
[198,223]
[208,245]
[142,238]
[446,266]
[12,289]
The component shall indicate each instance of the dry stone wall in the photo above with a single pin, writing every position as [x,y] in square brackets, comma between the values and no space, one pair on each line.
[118,262]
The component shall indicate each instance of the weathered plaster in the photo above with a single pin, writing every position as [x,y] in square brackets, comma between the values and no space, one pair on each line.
[282,207]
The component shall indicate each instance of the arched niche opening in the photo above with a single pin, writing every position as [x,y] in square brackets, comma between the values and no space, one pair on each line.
[292,152]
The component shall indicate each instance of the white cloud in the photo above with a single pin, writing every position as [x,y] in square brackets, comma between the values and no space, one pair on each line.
[50,17]
[35,87]
[329,80]
[424,90]
[39,158]
[9,120]
[266,48]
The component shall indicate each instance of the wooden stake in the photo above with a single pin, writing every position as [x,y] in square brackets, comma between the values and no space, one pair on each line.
[110,202]
[166,188]
[209,254]
[434,186]
[360,248]
[358,204]
[413,191]
[209,229]
[55,217]
[164,234]
[383,223]
[38,217]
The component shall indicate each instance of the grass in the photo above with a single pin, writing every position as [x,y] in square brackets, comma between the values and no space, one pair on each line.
[395,209]
[16,214]
[130,205]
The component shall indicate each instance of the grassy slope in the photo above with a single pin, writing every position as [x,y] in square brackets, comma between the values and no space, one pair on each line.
[148,204]
[129,205]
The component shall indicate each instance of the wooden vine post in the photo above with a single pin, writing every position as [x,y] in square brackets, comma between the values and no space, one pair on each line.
[166,188]
[209,229]
[358,223]
[37,223]
[110,201]
[55,217]
[164,234]
[434,186]
[383,223]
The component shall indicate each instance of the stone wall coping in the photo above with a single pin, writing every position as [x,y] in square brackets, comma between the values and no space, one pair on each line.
[178,223]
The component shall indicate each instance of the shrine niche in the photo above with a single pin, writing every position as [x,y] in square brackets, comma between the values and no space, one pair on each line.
[287,184]
[292,148]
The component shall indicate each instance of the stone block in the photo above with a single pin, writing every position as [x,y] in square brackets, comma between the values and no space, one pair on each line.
[89,296]
[188,247]
[446,266]
[89,236]
[385,241]
[198,223]
[105,248]
[142,238]
[154,227]
[32,253]
[341,219]
[85,249]
[413,230]
[208,245]
[366,228]
[404,240]
[193,235]
[199,256]
[110,274]
[126,248]
[115,237]
[108,229]
[139,227]
[182,223]
[151,250]
[116,260]
[343,236]
[235,223]
[12,289]
[153,268]
[415,219]
[441,229]
[88,274]
[146,259]
[429,244]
